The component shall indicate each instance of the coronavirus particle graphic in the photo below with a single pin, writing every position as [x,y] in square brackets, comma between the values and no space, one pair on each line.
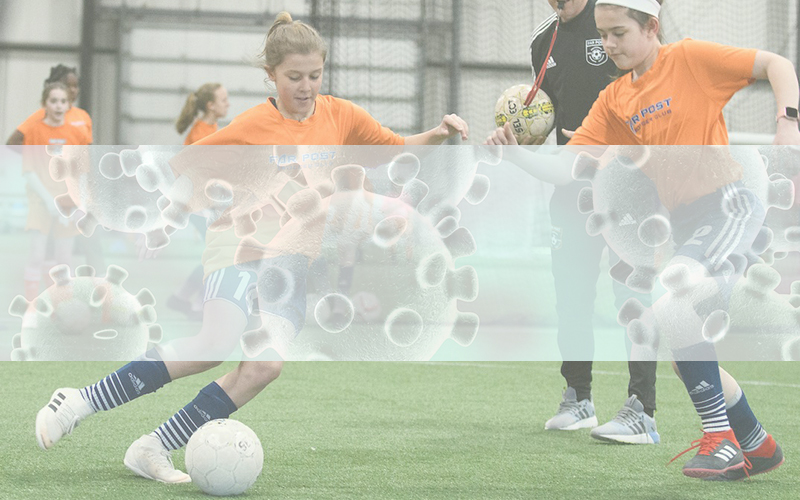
[635,190]
[85,318]
[751,322]
[625,208]
[229,185]
[102,184]
[400,301]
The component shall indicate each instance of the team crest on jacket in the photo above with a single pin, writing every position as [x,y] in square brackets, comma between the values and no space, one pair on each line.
[595,55]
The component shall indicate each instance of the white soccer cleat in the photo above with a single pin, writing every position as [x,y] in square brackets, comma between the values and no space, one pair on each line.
[60,417]
[149,458]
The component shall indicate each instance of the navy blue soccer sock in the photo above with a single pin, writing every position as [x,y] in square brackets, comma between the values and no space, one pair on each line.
[702,381]
[744,423]
[142,376]
[210,404]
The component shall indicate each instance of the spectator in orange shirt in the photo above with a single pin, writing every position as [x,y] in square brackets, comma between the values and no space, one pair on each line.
[211,100]
[43,218]
[74,117]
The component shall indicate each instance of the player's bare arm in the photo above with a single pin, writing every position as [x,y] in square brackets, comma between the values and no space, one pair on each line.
[781,75]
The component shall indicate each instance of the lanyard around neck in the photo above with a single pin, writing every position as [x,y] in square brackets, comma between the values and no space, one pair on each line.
[540,77]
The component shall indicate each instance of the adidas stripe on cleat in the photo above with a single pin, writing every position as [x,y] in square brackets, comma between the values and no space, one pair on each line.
[60,416]
[719,454]
[765,458]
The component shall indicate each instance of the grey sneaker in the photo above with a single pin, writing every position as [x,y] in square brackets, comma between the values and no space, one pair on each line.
[572,414]
[631,425]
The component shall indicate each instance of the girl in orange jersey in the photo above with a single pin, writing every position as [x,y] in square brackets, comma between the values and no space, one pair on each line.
[673,95]
[300,115]
[43,218]
[670,94]
[294,57]
[74,116]
[210,99]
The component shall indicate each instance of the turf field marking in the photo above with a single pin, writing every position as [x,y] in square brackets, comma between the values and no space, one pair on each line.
[458,363]
[596,372]
[743,382]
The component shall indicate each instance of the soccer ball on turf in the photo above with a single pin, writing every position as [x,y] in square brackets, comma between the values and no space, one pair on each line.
[224,457]
[531,124]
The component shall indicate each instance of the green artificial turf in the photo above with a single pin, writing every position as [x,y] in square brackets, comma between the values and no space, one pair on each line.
[399,430]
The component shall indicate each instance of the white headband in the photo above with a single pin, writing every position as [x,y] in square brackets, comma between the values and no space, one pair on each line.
[650,7]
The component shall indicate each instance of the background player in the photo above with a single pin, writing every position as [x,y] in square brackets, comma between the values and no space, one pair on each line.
[211,100]
[294,57]
[77,118]
[44,221]
[74,116]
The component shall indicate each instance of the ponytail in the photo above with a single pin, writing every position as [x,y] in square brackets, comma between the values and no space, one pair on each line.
[188,114]
[195,103]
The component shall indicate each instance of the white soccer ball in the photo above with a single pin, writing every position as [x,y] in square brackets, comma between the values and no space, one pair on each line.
[532,123]
[224,457]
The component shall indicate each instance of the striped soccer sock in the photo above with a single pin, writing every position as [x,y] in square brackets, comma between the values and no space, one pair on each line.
[746,426]
[137,378]
[210,404]
[703,382]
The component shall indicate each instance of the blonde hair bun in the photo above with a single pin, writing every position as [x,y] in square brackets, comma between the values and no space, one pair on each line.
[287,36]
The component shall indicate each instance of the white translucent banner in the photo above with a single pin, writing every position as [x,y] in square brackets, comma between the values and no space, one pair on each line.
[390,253]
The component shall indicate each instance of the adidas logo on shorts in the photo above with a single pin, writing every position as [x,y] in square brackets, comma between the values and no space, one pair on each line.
[627,220]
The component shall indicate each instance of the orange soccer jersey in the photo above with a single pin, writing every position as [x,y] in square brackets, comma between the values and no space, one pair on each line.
[678,101]
[75,117]
[35,159]
[199,130]
[335,122]
[41,134]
